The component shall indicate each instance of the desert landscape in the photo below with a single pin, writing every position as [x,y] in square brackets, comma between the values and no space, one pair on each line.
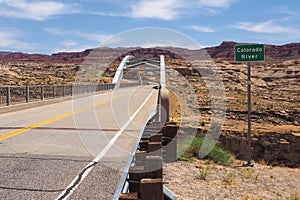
[275,114]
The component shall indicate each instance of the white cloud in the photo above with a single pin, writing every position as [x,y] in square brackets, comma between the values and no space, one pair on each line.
[158,9]
[172,9]
[264,27]
[6,39]
[204,29]
[286,13]
[54,31]
[96,37]
[216,3]
[74,45]
[9,40]
[93,36]
[102,39]
[113,40]
[35,10]
[69,43]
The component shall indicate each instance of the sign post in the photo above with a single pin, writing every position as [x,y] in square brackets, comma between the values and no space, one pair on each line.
[249,163]
[249,53]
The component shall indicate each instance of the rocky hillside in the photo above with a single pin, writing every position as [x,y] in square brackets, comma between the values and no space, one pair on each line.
[275,108]
[225,51]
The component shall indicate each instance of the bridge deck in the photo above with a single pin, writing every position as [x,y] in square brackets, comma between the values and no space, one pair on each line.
[41,153]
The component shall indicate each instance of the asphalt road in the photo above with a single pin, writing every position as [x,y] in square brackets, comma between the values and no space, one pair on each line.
[44,149]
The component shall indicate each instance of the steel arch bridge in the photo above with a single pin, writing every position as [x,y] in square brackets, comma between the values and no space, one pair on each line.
[145,71]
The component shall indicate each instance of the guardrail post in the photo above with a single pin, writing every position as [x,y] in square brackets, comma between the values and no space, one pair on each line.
[154,148]
[156,137]
[27,94]
[64,90]
[152,189]
[154,167]
[145,175]
[170,142]
[136,173]
[143,145]
[140,158]
[42,92]
[54,91]
[8,95]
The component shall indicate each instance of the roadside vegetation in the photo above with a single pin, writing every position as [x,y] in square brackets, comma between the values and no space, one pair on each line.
[217,154]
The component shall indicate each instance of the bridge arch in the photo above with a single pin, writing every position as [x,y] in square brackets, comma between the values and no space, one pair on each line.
[129,62]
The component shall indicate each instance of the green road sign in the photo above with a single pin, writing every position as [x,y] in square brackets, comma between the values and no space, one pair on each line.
[249,53]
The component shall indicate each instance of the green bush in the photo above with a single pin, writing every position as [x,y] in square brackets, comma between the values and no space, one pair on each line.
[217,154]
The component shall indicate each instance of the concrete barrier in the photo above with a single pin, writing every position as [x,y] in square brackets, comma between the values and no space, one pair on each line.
[23,106]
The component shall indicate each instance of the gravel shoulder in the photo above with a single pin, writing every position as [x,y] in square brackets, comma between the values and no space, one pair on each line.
[232,182]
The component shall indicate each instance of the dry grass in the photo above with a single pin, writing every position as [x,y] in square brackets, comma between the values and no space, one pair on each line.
[231,183]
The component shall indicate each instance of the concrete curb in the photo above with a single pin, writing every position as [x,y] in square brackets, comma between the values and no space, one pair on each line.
[23,106]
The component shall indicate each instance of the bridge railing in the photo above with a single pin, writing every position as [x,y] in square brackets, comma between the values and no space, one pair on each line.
[10,95]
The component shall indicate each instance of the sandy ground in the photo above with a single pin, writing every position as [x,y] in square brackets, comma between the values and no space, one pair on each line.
[233,182]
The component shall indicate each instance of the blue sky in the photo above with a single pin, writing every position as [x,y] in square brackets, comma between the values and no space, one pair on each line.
[51,26]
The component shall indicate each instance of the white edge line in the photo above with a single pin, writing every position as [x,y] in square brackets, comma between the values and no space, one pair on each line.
[117,135]
[104,151]
[126,169]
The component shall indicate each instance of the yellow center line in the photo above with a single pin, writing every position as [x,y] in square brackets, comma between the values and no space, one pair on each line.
[48,121]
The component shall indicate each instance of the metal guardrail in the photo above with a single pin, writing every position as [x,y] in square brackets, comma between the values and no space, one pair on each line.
[130,185]
[123,181]
[157,132]
[10,95]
